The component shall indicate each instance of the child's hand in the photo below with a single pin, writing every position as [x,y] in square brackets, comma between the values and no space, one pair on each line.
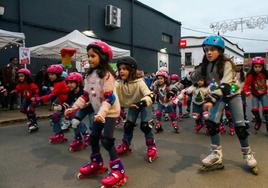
[134,106]
[99,118]
[69,112]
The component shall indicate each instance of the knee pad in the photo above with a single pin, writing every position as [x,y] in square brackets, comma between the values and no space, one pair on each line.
[172,115]
[158,113]
[241,132]
[212,127]
[146,127]
[195,115]
[107,143]
[129,127]
[93,140]
[75,122]
[254,110]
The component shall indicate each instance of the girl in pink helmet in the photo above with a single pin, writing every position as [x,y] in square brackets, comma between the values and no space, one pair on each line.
[164,97]
[104,104]
[256,85]
[28,89]
[60,92]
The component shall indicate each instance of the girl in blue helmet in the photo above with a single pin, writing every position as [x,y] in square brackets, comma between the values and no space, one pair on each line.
[219,74]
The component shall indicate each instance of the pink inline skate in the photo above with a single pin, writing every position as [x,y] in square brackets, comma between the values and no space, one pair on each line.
[116,177]
[92,168]
[174,124]
[158,126]
[151,150]
[123,148]
[57,138]
[77,145]
[231,128]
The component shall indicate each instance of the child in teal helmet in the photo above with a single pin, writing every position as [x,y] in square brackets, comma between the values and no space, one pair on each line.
[219,74]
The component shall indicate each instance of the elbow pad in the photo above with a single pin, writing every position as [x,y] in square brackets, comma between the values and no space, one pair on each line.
[109,96]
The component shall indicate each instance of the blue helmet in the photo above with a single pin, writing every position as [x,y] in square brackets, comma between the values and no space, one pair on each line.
[214,40]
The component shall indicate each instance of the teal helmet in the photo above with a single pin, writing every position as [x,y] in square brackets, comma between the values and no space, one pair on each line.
[214,40]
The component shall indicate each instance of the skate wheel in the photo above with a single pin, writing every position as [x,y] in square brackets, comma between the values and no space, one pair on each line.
[204,168]
[254,170]
[71,150]
[79,176]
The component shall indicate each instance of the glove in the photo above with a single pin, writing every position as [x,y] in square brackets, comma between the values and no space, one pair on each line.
[140,104]
[226,89]
[247,93]
[70,112]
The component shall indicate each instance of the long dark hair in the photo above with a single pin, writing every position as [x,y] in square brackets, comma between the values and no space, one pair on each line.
[220,62]
[254,74]
[103,66]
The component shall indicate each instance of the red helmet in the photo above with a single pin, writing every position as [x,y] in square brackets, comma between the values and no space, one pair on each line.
[103,47]
[56,69]
[257,60]
[161,73]
[74,76]
[174,77]
[24,71]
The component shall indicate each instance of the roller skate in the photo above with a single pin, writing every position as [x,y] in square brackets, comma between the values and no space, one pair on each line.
[57,138]
[116,177]
[158,126]
[221,129]
[205,115]
[257,126]
[198,127]
[250,160]
[213,161]
[231,129]
[92,168]
[174,124]
[123,148]
[151,150]
[77,145]
[32,127]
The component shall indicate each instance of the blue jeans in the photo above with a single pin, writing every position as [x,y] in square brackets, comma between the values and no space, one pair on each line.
[236,108]
[132,116]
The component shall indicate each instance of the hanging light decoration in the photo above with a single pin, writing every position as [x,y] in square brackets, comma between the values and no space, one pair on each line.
[239,24]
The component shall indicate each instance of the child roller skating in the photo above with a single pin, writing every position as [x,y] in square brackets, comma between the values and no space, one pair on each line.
[135,95]
[102,101]
[217,67]
[256,85]
[28,89]
[60,92]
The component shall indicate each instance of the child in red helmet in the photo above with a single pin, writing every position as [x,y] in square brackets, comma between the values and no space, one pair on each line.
[60,92]
[28,89]
[104,104]
[256,85]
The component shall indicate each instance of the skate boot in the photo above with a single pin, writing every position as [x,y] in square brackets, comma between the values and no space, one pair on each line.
[174,124]
[221,129]
[92,168]
[198,127]
[158,126]
[257,126]
[86,137]
[116,177]
[250,159]
[57,138]
[231,129]
[123,148]
[77,145]
[151,150]
[214,160]
[32,127]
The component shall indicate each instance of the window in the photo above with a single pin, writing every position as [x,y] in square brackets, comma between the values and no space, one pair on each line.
[188,58]
[166,38]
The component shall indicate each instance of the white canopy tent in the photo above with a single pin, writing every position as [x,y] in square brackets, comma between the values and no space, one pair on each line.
[8,37]
[75,40]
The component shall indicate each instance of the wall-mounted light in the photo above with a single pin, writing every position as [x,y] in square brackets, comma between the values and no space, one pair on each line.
[163,50]
[2,10]
[89,33]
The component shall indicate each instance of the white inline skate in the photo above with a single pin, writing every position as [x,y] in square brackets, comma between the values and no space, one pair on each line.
[250,160]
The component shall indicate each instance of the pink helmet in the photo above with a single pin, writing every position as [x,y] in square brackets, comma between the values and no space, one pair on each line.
[103,47]
[161,73]
[74,76]
[56,69]
[257,60]
[24,71]
[163,69]
[174,77]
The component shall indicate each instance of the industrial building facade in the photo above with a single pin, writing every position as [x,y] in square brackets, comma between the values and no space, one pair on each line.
[127,24]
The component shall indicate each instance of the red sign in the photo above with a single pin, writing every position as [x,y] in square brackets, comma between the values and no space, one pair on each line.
[183,43]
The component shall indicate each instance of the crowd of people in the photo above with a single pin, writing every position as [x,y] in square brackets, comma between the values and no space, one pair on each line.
[216,91]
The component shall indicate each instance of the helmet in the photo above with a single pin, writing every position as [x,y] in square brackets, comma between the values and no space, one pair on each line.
[174,77]
[127,61]
[24,71]
[161,73]
[163,69]
[74,76]
[214,40]
[56,69]
[257,60]
[103,47]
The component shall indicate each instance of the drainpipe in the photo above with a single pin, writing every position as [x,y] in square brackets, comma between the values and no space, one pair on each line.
[132,28]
